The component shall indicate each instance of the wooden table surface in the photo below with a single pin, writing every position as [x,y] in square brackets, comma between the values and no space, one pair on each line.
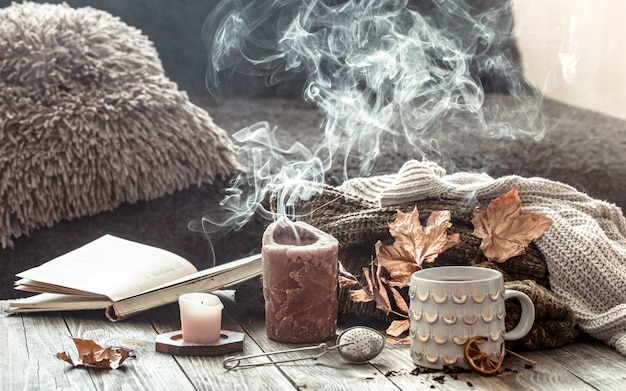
[29,343]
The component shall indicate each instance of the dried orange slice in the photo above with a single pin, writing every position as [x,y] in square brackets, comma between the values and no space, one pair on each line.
[480,361]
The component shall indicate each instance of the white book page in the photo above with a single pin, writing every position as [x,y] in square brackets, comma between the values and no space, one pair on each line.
[112,267]
[57,302]
[27,285]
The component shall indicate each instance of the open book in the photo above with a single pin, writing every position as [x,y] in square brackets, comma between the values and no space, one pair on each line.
[122,277]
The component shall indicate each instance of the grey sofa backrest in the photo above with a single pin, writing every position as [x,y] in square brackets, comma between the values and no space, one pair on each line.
[483,28]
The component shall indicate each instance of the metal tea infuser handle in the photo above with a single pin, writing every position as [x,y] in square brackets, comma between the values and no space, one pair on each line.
[361,344]
[235,362]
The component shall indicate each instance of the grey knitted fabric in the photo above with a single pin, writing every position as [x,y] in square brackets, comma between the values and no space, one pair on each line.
[585,248]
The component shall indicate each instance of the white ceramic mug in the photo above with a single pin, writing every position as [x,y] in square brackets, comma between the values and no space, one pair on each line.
[452,304]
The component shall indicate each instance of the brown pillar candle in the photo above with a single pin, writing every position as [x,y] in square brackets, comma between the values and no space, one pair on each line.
[299,282]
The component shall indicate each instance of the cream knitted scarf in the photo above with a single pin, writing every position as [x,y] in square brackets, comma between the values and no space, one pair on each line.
[585,248]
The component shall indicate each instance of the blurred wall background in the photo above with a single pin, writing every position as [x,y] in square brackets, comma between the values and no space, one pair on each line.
[575,51]
[572,50]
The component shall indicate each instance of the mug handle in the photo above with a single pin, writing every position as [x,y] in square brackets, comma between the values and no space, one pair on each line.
[527,318]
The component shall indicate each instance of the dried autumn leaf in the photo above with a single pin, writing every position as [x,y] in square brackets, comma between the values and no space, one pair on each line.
[505,229]
[362,295]
[345,278]
[414,244]
[398,262]
[406,340]
[425,243]
[380,293]
[65,357]
[375,289]
[90,353]
[398,327]
[403,307]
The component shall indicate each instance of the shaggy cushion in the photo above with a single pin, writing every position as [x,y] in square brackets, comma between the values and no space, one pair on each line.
[89,121]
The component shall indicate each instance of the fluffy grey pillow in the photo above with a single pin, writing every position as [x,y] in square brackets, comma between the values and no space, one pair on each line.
[89,121]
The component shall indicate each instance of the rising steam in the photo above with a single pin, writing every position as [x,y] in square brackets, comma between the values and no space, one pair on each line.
[381,71]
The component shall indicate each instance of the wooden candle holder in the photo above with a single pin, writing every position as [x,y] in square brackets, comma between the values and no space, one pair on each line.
[172,343]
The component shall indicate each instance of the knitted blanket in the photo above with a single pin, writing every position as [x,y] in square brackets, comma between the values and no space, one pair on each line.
[585,248]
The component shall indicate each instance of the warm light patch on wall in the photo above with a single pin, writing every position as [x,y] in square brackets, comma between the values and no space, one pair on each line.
[575,51]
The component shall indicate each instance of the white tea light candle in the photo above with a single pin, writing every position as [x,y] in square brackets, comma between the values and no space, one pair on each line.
[200,317]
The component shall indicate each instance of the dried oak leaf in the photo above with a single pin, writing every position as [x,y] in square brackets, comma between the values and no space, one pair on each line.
[414,244]
[505,229]
[90,353]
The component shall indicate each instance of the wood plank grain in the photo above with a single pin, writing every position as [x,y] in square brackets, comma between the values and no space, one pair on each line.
[546,375]
[32,342]
[329,372]
[150,369]
[395,366]
[13,339]
[29,343]
[594,362]
[207,373]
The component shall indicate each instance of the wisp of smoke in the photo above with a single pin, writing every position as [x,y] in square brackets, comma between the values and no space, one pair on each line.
[285,174]
[381,71]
